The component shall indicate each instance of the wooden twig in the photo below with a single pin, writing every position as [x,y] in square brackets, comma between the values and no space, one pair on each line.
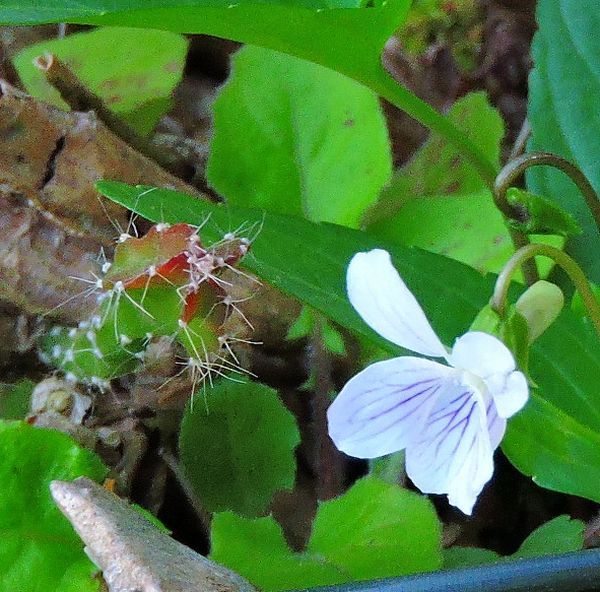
[131,552]
[81,98]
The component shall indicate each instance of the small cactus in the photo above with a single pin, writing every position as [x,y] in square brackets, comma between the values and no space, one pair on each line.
[163,284]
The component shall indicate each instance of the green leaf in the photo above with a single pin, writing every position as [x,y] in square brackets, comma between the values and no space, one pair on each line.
[134,71]
[309,261]
[390,468]
[438,201]
[556,438]
[304,325]
[297,138]
[14,399]
[577,305]
[237,447]
[377,530]
[374,530]
[556,450]
[309,29]
[563,111]
[256,549]
[332,339]
[559,535]
[348,41]
[459,557]
[438,168]
[40,551]
[468,228]
[545,216]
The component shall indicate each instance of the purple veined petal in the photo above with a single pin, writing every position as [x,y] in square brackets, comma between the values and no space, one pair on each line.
[454,453]
[384,302]
[487,357]
[383,408]
[496,425]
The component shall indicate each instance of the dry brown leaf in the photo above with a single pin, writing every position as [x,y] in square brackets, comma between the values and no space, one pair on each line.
[53,221]
[60,155]
[37,256]
[132,553]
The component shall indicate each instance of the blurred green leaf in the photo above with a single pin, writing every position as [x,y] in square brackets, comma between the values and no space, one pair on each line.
[297,138]
[237,446]
[374,530]
[134,71]
[347,41]
[559,535]
[309,261]
[438,201]
[40,550]
[438,168]
[15,398]
[303,325]
[563,111]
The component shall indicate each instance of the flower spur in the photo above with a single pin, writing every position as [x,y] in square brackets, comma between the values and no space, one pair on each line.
[449,418]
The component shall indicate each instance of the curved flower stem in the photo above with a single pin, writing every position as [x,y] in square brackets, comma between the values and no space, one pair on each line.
[512,171]
[576,275]
[515,168]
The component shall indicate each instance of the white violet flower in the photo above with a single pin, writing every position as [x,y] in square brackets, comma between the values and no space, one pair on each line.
[449,418]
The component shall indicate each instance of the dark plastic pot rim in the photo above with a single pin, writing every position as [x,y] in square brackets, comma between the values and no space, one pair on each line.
[567,572]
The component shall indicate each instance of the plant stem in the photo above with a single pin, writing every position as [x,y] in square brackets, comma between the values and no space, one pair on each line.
[328,460]
[81,98]
[511,173]
[575,273]
[520,144]
[172,463]
[515,168]
[506,177]
[424,113]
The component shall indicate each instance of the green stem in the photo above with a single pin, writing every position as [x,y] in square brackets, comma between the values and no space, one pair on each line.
[576,275]
[515,168]
[511,173]
[424,113]
[505,179]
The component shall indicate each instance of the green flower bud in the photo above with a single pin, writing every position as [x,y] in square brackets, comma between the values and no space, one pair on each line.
[540,305]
